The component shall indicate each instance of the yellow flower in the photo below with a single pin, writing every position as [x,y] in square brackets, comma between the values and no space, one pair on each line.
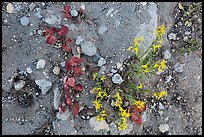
[97,104]
[136,41]
[98,95]
[122,124]
[130,48]
[140,85]
[104,94]
[160,66]
[96,89]
[117,96]
[139,104]
[123,113]
[95,75]
[101,115]
[159,95]
[136,49]
[103,78]
[118,103]
[160,31]
[145,68]
[156,47]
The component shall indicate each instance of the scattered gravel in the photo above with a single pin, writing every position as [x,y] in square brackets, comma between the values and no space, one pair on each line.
[63,116]
[167,54]
[56,97]
[178,67]
[102,29]
[79,40]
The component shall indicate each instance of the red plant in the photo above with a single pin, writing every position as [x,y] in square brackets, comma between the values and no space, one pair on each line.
[71,82]
[66,11]
[77,71]
[63,31]
[66,45]
[69,101]
[136,117]
[61,108]
[74,61]
[51,40]
[78,87]
[75,109]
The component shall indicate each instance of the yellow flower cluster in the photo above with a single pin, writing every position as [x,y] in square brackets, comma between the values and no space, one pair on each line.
[135,46]
[101,115]
[118,99]
[157,46]
[103,78]
[145,68]
[97,104]
[160,65]
[122,124]
[140,85]
[95,75]
[123,112]
[101,95]
[159,95]
[139,104]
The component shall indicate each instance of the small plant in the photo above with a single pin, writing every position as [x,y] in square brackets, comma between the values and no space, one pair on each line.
[133,90]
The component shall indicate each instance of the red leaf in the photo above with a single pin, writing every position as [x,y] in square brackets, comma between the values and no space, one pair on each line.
[61,108]
[69,101]
[68,65]
[78,87]
[63,31]
[67,15]
[76,59]
[51,40]
[49,31]
[67,8]
[77,71]
[66,45]
[71,82]
[75,109]
[67,94]
[66,11]
[66,48]
[136,117]
[72,62]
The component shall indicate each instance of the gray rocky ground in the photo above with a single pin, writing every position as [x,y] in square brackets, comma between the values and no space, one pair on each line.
[110,27]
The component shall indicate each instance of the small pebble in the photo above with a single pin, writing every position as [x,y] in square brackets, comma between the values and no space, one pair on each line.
[29,70]
[41,64]
[56,70]
[24,21]
[9,8]
[163,128]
